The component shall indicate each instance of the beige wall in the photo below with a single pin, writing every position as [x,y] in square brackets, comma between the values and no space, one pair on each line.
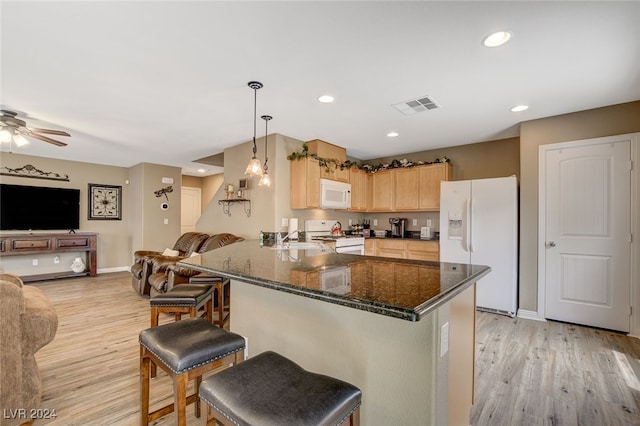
[473,161]
[606,121]
[113,235]
[159,228]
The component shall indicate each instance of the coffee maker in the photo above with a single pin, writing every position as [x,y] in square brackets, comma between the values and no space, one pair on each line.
[398,226]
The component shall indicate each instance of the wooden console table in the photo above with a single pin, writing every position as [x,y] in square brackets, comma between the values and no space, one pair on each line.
[28,244]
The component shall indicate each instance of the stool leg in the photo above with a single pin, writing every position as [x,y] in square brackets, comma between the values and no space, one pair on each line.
[198,381]
[209,308]
[192,312]
[220,291]
[155,314]
[180,383]
[144,387]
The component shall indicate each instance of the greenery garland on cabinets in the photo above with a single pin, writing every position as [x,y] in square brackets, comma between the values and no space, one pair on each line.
[328,163]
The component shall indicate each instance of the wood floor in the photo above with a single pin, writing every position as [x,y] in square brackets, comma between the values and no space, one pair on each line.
[527,372]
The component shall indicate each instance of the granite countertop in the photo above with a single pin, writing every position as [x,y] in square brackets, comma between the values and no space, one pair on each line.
[400,288]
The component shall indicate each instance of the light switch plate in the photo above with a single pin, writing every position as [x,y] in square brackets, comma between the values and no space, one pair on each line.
[428,222]
[414,222]
[285,221]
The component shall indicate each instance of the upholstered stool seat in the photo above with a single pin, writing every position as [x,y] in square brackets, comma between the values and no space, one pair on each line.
[183,299]
[271,390]
[185,350]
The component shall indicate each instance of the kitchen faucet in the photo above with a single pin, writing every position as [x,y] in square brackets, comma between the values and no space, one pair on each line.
[280,239]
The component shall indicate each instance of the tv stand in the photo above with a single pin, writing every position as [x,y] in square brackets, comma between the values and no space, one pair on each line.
[30,244]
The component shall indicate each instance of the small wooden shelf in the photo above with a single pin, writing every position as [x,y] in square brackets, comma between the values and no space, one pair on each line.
[226,205]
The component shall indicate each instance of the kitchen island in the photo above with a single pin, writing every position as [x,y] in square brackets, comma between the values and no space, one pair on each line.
[401,330]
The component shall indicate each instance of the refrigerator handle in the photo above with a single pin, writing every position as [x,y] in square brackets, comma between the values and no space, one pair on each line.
[467,231]
[472,246]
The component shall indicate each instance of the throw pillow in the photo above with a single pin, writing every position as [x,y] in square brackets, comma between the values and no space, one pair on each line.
[169,252]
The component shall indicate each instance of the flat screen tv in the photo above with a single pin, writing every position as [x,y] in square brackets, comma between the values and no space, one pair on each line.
[39,208]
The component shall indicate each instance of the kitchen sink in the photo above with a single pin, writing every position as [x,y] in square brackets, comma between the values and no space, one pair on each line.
[299,245]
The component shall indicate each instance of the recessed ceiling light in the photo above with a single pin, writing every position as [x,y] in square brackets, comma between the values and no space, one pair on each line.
[325,99]
[496,39]
[393,134]
[519,108]
[201,170]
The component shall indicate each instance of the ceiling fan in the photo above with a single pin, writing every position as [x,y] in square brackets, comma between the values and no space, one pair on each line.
[14,128]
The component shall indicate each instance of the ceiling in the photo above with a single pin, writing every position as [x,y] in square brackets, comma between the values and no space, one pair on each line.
[166,82]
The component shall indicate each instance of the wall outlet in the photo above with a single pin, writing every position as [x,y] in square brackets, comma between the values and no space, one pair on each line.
[350,222]
[414,222]
[428,222]
[375,222]
[166,221]
[34,262]
[56,259]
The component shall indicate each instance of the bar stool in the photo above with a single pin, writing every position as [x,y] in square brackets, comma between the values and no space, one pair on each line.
[185,350]
[221,286]
[183,299]
[271,390]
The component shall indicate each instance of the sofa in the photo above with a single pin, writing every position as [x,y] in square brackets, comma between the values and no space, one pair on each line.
[165,273]
[29,322]
[188,243]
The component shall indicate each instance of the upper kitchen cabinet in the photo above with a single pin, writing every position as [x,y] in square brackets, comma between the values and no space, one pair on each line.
[305,183]
[328,151]
[405,189]
[359,180]
[429,188]
[382,191]
[333,172]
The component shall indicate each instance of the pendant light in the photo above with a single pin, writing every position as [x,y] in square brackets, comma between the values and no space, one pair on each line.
[254,168]
[265,180]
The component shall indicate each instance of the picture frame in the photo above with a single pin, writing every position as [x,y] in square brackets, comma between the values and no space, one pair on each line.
[243,184]
[105,202]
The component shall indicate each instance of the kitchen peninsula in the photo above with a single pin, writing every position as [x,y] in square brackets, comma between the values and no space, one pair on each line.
[401,330]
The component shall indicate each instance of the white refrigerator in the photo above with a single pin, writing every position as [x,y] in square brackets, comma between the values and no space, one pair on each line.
[479,225]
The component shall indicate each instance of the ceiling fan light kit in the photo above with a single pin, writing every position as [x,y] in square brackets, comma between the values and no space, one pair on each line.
[15,129]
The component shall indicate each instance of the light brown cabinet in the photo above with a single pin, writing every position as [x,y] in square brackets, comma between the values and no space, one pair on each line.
[305,184]
[402,249]
[334,172]
[382,191]
[405,188]
[429,188]
[359,180]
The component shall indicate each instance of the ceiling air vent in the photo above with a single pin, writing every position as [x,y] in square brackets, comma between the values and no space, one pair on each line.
[413,106]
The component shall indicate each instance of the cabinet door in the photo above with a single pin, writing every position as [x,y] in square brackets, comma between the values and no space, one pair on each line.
[369,247]
[358,180]
[382,191]
[423,250]
[305,184]
[405,189]
[334,172]
[429,188]
[391,248]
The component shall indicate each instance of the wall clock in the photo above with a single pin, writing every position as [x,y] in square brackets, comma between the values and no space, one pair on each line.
[105,202]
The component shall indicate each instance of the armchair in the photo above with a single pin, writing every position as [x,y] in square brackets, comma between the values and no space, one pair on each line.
[29,322]
[188,243]
[166,274]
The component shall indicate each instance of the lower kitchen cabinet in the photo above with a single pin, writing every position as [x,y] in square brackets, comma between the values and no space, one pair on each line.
[402,249]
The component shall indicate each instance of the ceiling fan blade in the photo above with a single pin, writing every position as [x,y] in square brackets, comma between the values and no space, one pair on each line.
[46,139]
[51,132]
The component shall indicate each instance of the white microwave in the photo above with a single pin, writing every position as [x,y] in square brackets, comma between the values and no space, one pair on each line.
[334,195]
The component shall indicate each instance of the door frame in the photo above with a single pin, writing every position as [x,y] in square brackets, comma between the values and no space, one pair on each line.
[635,221]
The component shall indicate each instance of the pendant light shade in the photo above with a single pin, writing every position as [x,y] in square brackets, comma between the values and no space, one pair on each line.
[254,168]
[265,180]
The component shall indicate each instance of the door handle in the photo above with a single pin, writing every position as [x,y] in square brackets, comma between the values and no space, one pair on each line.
[551,244]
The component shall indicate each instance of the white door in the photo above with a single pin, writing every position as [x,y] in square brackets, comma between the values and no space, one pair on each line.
[588,233]
[190,208]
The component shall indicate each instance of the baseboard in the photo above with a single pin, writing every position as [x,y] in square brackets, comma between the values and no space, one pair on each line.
[531,315]
[116,269]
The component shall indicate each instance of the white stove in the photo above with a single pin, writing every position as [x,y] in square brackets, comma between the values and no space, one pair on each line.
[320,230]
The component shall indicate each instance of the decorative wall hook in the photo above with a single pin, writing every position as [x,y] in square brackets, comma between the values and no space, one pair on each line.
[164,191]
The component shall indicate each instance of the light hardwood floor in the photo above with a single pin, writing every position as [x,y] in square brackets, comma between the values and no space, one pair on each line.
[527,372]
